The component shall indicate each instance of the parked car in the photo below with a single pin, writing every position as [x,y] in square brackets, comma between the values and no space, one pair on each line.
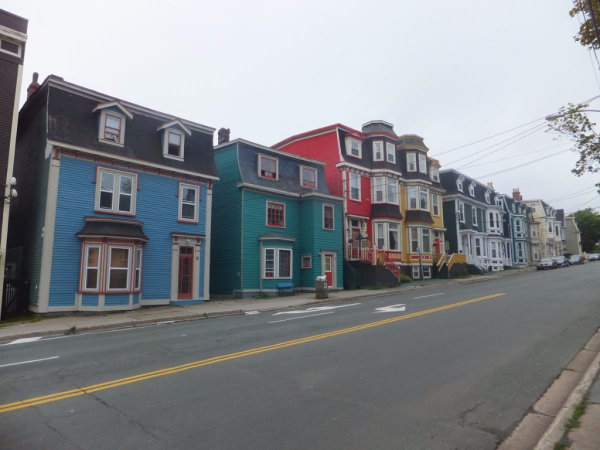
[594,257]
[561,261]
[547,263]
[576,259]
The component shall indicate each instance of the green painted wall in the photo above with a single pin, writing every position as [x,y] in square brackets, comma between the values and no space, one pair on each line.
[450,223]
[226,241]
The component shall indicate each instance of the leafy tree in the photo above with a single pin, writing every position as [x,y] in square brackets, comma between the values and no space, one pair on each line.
[587,35]
[588,222]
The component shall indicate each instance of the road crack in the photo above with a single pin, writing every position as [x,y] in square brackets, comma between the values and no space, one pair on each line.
[56,430]
[462,417]
[129,419]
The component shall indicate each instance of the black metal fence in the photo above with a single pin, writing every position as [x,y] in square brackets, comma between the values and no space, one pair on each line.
[15,298]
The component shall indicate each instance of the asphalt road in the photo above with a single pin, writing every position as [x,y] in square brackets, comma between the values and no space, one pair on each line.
[440,374]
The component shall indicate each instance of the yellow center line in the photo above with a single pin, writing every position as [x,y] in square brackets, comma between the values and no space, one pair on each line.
[217,359]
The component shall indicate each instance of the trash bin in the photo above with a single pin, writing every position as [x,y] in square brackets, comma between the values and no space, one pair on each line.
[321,288]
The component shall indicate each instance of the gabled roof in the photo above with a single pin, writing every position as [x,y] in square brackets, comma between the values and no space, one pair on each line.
[175,123]
[449,177]
[113,104]
[310,133]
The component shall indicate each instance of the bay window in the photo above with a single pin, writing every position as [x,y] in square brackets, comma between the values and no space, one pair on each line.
[426,238]
[92,268]
[414,239]
[378,151]
[420,238]
[422,163]
[118,273]
[424,198]
[418,197]
[378,189]
[411,162]
[392,190]
[277,263]
[391,152]
[436,204]
[412,197]
[387,236]
[385,190]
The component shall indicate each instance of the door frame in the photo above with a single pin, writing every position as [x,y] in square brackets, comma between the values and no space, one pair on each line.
[186,240]
[333,255]
[191,257]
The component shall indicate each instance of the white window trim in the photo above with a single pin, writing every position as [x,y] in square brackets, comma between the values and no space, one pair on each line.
[276,274]
[472,190]
[302,169]
[375,143]
[302,266]
[474,209]
[110,268]
[459,185]
[116,191]
[422,158]
[461,212]
[487,197]
[326,205]
[416,275]
[85,267]
[389,145]
[358,176]
[386,234]
[409,156]
[434,174]
[349,148]
[102,126]
[166,144]
[387,182]
[374,188]
[180,203]
[139,258]
[428,206]
[260,157]
[426,269]
[15,42]
[433,204]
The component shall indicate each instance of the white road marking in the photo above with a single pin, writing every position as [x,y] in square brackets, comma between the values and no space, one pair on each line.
[317,309]
[27,362]
[249,313]
[432,295]
[303,317]
[391,308]
[24,340]
[168,322]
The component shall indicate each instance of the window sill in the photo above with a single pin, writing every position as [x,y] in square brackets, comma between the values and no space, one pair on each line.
[276,226]
[116,144]
[102,211]
[176,158]
[188,221]
[354,156]
[354,200]
[269,178]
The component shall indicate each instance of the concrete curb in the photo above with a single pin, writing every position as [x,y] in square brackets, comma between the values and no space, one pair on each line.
[556,430]
[237,312]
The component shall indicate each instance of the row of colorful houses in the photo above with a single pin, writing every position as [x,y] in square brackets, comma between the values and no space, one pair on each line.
[122,206]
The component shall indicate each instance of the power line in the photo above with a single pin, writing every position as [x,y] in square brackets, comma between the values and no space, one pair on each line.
[571,197]
[528,131]
[519,166]
[469,166]
[584,203]
[576,192]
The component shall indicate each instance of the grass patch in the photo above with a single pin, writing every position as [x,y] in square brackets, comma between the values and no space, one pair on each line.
[376,287]
[560,446]
[573,422]
[463,276]
[405,279]
[26,318]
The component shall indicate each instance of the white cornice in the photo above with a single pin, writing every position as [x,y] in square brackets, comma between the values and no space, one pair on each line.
[139,162]
[266,189]
[13,34]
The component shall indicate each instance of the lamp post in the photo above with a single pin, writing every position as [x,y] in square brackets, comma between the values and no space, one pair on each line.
[555,116]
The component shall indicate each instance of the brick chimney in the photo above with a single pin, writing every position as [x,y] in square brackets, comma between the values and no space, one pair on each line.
[517,195]
[223,135]
[34,85]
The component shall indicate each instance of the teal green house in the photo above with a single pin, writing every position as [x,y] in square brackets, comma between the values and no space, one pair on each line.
[274,222]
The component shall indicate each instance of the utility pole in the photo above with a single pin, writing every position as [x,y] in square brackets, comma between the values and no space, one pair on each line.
[593,16]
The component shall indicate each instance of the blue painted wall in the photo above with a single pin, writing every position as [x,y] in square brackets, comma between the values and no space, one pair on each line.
[156,207]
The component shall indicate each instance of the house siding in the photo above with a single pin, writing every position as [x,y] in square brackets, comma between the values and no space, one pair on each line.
[227,218]
[28,211]
[156,207]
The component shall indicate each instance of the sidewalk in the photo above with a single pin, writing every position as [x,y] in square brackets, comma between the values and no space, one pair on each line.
[86,322]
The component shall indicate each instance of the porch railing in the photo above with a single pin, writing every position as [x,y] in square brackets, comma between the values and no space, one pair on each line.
[15,298]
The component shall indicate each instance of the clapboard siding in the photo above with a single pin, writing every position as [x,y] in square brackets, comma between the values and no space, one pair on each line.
[156,207]
[225,255]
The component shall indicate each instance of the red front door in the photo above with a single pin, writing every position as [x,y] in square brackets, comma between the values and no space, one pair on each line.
[329,269]
[186,272]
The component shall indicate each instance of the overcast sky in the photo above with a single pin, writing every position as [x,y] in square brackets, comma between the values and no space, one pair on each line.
[452,72]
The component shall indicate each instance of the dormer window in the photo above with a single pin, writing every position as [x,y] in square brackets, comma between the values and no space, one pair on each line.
[459,185]
[390,152]
[354,148]
[434,174]
[378,151]
[268,167]
[174,144]
[422,164]
[111,129]
[487,196]
[309,177]
[411,162]
[173,139]
[472,190]
[498,201]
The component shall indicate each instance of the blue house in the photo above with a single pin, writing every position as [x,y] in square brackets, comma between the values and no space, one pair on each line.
[115,206]
[275,222]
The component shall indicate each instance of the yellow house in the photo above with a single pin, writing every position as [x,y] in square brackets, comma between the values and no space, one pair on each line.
[421,207]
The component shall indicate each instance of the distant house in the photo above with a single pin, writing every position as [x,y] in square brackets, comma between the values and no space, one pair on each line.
[517,228]
[115,210]
[13,37]
[550,227]
[474,218]
[274,223]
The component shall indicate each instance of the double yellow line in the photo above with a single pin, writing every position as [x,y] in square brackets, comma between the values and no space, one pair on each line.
[205,362]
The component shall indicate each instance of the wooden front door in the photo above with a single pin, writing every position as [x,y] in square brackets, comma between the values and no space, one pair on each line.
[329,269]
[186,272]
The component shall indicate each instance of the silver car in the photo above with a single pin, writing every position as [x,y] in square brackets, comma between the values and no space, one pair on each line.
[547,263]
